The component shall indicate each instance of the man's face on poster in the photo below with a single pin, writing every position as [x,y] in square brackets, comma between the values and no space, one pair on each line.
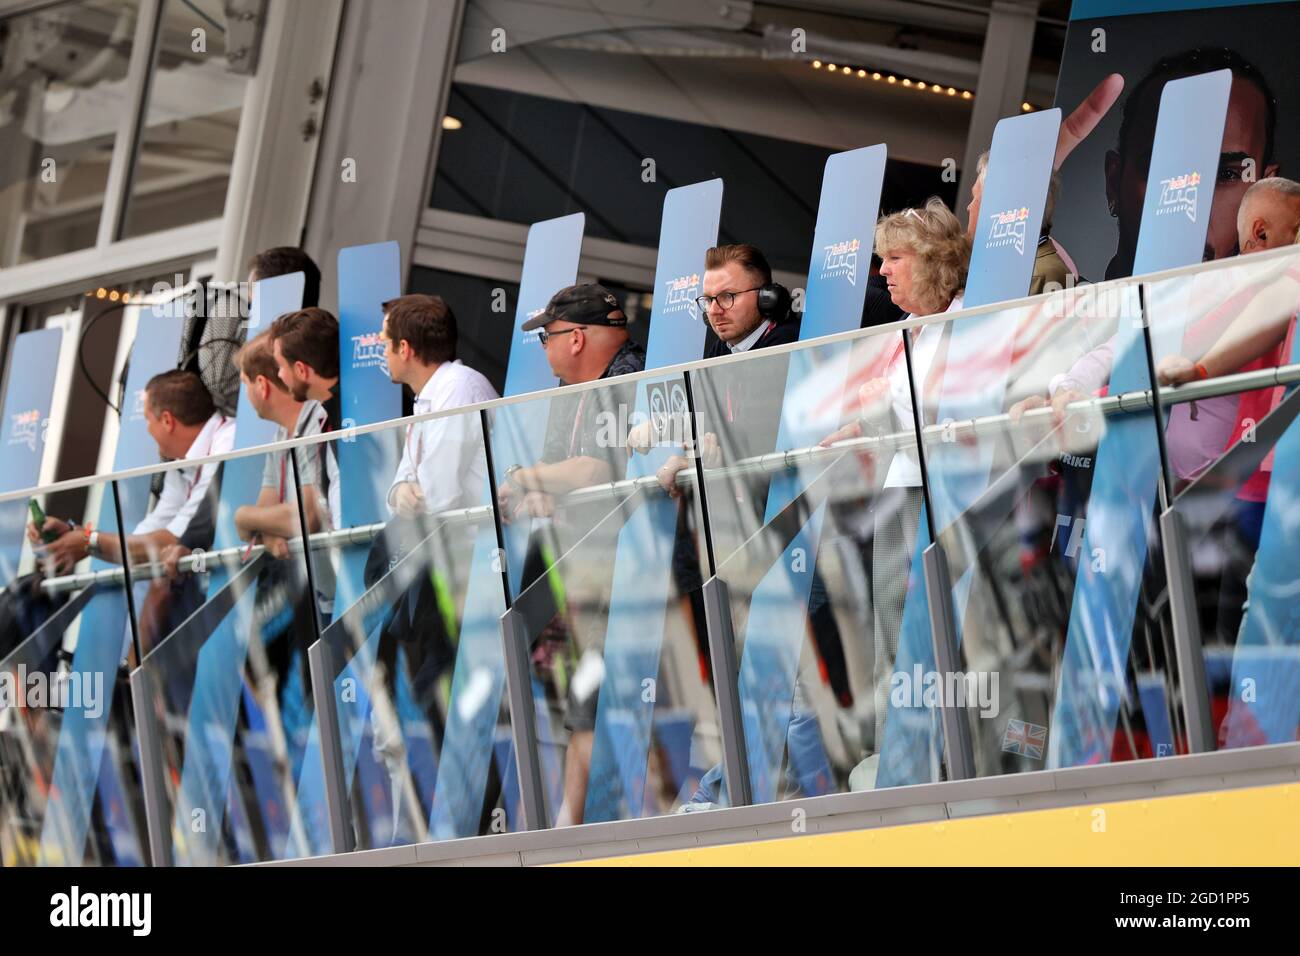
[1245,135]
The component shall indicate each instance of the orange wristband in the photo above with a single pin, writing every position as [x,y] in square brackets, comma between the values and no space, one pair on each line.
[1201,371]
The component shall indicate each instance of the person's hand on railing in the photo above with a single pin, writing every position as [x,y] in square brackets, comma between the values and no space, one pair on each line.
[1059,403]
[1179,370]
[408,499]
[708,450]
[873,405]
[667,474]
[852,430]
[508,498]
[535,504]
[276,546]
[170,557]
[1017,411]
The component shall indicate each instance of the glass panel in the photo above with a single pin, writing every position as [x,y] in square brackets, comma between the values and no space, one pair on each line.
[62,98]
[815,545]
[1234,463]
[187,144]
[1046,518]
[607,568]
[70,790]
[410,606]
[229,677]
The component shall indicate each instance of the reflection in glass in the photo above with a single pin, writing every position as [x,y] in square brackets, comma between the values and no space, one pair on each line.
[814,544]
[1233,459]
[229,684]
[1046,518]
[70,783]
[410,610]
[607,564]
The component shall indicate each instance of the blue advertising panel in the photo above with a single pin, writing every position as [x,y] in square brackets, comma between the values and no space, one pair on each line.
[369,276]
[843,241]
[1011,209]
[550,264]
[218,686]
[23,417]
[272,298]
[1264,694]
[1175,219]
[688,229]
[634,630]
[77,765]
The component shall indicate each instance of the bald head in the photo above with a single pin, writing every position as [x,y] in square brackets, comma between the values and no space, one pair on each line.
[1269,216]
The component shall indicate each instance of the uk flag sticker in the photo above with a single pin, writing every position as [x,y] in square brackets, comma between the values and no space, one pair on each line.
[1024,738]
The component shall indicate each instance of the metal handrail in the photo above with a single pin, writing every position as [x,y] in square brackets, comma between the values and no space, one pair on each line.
[769,463]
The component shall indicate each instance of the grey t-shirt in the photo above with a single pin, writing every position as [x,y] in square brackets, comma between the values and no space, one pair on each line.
[278,473]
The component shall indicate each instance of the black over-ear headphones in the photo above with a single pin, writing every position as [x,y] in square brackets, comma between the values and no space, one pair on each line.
[773,301]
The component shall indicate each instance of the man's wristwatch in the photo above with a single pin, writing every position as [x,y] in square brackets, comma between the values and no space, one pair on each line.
[92,544]
[512,471]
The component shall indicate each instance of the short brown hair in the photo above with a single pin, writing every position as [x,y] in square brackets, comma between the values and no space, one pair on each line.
[255,359]
[182,393]
[424,321]
[751,257]
[310,336]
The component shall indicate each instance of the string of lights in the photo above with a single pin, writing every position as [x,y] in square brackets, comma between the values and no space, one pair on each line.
[893,79]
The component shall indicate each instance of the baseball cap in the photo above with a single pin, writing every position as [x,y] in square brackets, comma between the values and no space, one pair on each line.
[586,304]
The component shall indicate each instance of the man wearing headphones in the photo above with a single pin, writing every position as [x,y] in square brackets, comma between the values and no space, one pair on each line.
[744,308]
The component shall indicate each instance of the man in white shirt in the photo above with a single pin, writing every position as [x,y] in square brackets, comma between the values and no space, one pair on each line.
[443,465]
[181,418]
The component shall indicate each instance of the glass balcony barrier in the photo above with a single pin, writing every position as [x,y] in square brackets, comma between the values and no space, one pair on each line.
[968,545]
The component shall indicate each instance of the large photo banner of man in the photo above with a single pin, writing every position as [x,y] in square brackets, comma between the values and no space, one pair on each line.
[1118,56]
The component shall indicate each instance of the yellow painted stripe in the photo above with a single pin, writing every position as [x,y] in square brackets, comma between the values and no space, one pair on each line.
[1256,827]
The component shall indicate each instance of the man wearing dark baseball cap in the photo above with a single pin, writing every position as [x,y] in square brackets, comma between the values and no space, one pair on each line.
[584,332]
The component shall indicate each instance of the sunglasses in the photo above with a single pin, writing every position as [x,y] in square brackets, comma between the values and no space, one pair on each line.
[543,336]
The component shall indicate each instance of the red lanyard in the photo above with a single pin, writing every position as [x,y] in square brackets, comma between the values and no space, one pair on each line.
[198,471]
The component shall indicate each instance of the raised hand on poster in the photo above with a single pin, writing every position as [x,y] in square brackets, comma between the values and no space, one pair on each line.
[1080,123]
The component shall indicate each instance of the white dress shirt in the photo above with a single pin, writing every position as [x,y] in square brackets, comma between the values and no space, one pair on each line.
[445,455]
[183,489]
[904,471]
[747,343]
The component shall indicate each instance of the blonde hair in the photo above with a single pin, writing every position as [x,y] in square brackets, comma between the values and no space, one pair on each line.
[941,247]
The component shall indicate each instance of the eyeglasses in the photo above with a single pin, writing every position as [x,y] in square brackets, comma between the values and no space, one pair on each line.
[543,336]
[724,299]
